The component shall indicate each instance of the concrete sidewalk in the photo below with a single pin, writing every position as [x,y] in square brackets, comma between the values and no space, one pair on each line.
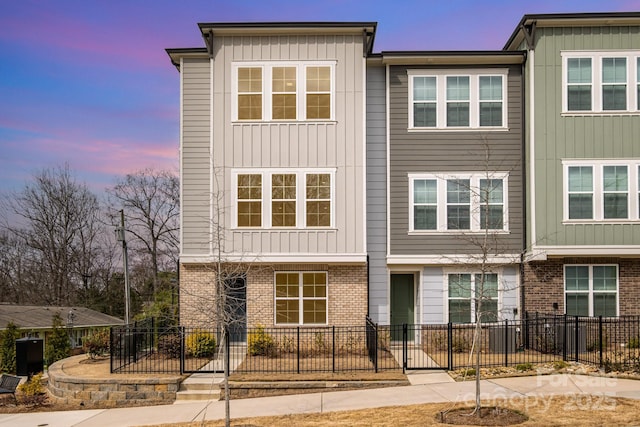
[427,387]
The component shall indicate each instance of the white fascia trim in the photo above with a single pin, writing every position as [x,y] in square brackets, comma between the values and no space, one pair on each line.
[212,170]
[593,250]
[180,154]
[279,258]
[532,152]
[451,259]
[388,177]
[364,152]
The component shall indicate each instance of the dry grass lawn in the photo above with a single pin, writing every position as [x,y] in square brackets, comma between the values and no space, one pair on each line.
[578,410]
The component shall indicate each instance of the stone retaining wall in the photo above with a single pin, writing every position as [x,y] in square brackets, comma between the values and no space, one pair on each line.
[112,391]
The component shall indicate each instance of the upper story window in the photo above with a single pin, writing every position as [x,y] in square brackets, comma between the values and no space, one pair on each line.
[601,82]
[457,99]
[270,198]
[458,202]
[601,190]
[283,91]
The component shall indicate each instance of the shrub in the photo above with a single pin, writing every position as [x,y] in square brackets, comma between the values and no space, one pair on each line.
[58,346]
[460,344]
[260,343]
[97,344]
[287,345]
[33,391]
[559,364]
[522,367]
[200,344]
[170,346]
[8,348]
[468,372]
[384,339]
[319,344]
[633,342]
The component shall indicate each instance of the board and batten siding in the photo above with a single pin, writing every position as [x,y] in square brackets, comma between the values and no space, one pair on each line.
[449,152]
[377,194]
[576,137]
[196,156]
[335,144]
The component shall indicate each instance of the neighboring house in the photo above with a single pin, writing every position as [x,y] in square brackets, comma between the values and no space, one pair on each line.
[272,154]
[583,216]
[454,170]
[36,321]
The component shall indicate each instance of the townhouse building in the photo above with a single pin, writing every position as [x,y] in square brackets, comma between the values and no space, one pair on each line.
[272,159]
[345,183]
[454,185]
[583,159]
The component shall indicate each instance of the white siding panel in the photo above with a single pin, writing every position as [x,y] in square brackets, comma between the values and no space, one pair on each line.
[337,144]
[433,295]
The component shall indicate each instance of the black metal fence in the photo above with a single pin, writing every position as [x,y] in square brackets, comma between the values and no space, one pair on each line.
[612,343]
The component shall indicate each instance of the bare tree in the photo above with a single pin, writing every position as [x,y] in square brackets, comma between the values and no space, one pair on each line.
[60,225]
[151,203]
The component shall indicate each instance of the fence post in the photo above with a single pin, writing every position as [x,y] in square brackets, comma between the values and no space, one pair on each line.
[600,345]
[450,346]
[576,341]
[506,342]
[333,349]
[298,355]
[181,331]
[227,344]
[375,347]
[111,349]
[564,339]
[404,348]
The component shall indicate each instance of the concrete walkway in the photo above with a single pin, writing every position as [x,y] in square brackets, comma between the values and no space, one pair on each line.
[427,387]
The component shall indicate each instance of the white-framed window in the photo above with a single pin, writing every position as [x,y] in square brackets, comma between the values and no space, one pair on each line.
[603,82]
[591,290]
[458,202]
[468,291]
[301,298]
[601,190]
[283,198]
[283,91]
[457,99]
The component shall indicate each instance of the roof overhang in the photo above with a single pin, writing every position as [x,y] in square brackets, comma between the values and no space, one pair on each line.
[215,29]
[570,20]
[498,57]
[190,52]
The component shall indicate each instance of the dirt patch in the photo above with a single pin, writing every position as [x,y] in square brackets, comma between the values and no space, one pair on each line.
[486,416]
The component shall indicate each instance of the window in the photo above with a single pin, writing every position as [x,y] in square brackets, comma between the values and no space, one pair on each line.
[318,93]
[468,292]
[250,93]
[601,82]
[458,203]
[283,200]
[591,290]
[457,99]
[301,298]
[290,91]
[289,199]
[283,86]
[318,200]
[249,200]
[601,190]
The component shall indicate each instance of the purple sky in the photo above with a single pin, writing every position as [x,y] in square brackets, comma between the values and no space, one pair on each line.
[89,82]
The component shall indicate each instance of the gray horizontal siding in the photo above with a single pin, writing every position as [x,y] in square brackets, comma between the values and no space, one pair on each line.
[441,152]
[377,194]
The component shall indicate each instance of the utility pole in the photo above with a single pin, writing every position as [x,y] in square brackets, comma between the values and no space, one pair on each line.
[120,236]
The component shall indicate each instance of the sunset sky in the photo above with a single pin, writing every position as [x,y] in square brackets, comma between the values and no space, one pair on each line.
[88,83]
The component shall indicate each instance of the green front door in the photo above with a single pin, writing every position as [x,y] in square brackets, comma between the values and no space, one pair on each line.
[402,303]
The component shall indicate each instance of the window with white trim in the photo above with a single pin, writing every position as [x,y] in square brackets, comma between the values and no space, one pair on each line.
[467,292]
[601,190]
[301,298]
[457,99]
[283,91]
[276,198]
[458,202]
[601,82]
[591,290]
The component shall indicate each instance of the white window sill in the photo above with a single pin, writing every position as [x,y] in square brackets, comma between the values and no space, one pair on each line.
[282,122]
[600,221]
[455,232]
[460,129]
[287,229]
[599,113]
